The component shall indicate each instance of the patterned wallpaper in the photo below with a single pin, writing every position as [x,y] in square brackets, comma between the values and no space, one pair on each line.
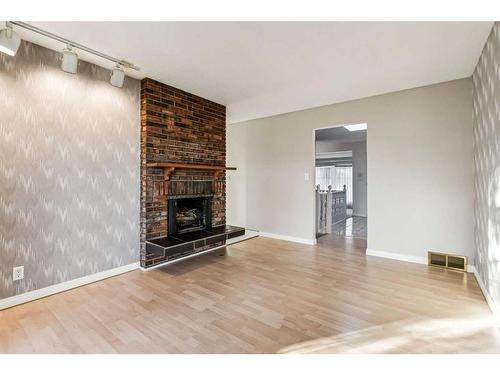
[69,170]
[486,96]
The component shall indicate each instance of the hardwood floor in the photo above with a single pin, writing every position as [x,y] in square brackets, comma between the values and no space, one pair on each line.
[263,296]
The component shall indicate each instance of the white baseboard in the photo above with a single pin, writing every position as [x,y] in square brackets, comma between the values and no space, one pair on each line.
[405,258]
[71,284]
[288,238]
[396,256]
[495,309]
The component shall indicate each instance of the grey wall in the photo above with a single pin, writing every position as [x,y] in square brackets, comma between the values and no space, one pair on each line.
[420,189]
[69,170]
[486,94]
[358,170]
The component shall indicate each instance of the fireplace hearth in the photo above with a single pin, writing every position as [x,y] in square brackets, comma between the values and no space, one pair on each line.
[189,214]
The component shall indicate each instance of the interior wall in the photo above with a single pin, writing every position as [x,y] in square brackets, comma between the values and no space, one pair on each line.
[236,186]
[359,188]
[486,95]
[419,146]
[69,170]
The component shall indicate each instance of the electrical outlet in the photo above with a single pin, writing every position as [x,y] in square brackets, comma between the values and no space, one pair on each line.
[18,273]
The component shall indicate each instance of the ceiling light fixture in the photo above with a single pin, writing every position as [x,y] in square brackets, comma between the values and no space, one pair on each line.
[117,76]
[356,127]
[9,40]
[69,60]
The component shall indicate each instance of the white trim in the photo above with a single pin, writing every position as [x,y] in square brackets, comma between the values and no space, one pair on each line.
[405,258]
[495,309]
[288,238]
[396,256]
[67,285]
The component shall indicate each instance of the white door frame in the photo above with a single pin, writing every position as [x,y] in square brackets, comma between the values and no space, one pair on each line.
[313,177]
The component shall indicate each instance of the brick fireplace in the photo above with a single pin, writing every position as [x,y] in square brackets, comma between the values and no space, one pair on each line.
[179,133]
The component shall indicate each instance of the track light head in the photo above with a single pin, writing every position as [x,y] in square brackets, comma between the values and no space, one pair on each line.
[9,40]
[117,76]
[69,60]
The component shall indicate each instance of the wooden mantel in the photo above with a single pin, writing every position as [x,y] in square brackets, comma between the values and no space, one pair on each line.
[169,168]
[189,166]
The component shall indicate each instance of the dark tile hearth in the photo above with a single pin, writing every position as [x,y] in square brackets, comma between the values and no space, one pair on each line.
[164,249]
[230,230]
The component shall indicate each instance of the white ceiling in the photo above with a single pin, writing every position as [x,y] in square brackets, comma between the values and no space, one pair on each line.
[263,69]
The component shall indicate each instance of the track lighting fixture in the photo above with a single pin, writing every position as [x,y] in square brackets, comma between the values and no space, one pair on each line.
[69,60]
[9,40]
[117,76]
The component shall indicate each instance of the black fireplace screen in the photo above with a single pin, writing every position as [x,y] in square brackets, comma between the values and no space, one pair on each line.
[189,214]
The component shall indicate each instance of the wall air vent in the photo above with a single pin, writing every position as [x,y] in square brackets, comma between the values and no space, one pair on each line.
[450,261]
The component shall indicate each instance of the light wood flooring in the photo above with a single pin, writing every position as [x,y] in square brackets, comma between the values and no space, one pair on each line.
[263,296]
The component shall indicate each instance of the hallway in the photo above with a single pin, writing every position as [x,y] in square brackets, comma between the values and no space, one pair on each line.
[354,226]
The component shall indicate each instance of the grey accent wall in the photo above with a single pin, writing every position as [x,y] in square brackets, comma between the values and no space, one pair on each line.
[69,170]
[486,97]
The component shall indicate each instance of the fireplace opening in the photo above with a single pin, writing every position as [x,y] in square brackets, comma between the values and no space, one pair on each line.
[189,215]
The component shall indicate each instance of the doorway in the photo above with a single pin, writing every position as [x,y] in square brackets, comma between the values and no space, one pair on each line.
[340,161]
